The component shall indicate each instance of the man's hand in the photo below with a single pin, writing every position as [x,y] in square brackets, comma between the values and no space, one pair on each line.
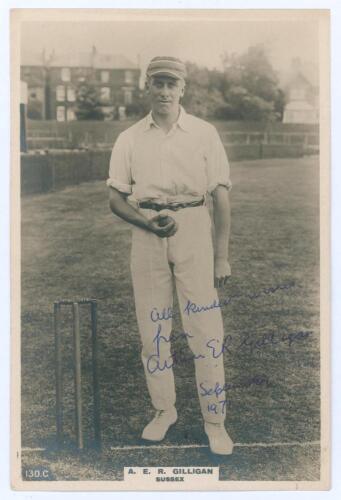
[222,271]
[222,222]
[163,226]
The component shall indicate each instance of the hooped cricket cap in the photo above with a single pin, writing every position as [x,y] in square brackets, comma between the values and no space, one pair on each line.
[168,66]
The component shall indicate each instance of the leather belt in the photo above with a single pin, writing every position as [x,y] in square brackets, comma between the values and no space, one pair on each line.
[170,206]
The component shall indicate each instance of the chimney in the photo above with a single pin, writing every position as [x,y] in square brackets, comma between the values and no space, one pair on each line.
[51,57]
[93,55]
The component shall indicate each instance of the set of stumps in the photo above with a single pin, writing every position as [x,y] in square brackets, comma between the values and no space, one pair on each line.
[77,370]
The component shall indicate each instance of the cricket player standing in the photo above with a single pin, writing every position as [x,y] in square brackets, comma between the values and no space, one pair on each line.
[166,164]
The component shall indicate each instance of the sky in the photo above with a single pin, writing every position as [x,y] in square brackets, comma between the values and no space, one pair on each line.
[200,41]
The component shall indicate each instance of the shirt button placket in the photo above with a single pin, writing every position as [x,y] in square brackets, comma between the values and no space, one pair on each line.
[171,182]
[164,163]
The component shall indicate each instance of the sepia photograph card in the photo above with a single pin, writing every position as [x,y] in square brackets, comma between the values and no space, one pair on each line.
[170,269]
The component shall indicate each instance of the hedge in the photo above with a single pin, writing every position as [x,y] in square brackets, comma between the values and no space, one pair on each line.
[54,170]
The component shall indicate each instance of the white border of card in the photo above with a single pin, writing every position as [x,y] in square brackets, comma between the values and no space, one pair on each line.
[146,481]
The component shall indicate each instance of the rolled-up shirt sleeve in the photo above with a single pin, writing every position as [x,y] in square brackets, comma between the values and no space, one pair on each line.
[120,166]
[218,168]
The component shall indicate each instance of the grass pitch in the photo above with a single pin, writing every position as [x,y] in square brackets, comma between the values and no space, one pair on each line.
[72,247]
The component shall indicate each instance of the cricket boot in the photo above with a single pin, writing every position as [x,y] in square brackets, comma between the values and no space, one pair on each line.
[220,441]
[158,427]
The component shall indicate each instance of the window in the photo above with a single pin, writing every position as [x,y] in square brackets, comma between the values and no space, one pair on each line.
[104,76]
[60,114]
[105,93]
[70,115]
[80,74]
[71,95]
[128,97]
[60,91]
[66,74]
[129,76]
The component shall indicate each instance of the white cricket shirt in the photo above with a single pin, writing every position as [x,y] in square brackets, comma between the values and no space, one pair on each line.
[179,166]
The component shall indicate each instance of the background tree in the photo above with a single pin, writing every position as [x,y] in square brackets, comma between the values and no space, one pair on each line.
[246,89]
[88,103]
[140,106]
[251,86]
[203,96]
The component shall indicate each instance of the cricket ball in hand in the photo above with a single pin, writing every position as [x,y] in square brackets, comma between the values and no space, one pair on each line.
[164,220]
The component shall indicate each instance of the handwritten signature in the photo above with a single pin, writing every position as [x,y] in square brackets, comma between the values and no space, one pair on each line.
[220,406]
[216,348]
[154,363]
[257,380]
[167,313]
[216,409]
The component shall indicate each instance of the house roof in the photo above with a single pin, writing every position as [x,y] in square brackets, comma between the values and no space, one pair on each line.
[299,80]
[78,60]
[113,61]
[299,106]
[70,60]
[301,73]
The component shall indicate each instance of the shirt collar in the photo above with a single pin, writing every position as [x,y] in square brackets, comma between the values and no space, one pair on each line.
[181,121]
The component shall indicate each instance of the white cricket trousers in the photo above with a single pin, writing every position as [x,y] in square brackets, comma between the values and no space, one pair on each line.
[187,258]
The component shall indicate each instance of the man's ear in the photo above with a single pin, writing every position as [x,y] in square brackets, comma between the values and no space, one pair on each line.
[183,90]
[147,86]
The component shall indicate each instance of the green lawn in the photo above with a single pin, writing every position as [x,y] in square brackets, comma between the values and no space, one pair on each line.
[72,246]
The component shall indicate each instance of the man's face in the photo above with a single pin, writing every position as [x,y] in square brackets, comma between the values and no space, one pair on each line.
[165,93]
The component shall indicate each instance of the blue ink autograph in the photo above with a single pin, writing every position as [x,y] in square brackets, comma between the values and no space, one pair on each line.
[248,343]
[154,363]
[216,409]
[251,344]
[158,338]
[164,315]
[217,390]
[221,405]
[193,308]
[167,313]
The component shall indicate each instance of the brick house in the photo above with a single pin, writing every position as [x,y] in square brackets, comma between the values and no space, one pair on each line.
[53,81]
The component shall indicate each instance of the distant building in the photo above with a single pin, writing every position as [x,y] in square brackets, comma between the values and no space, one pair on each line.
[302,92]
[53,81]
